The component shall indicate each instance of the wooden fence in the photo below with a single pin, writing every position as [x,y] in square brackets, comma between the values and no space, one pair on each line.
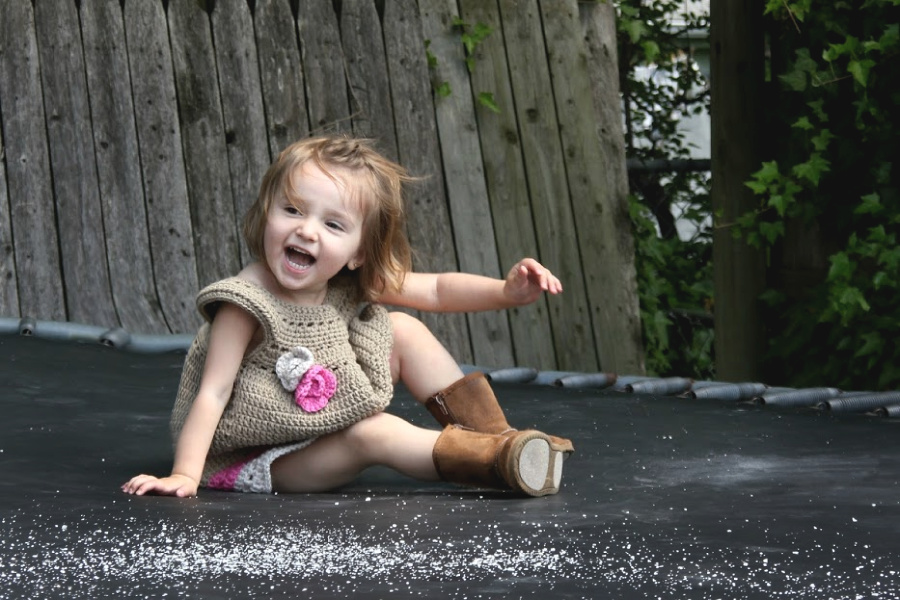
[134,135]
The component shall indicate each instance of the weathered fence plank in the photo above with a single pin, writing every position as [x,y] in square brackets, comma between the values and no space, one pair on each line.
[323,65]
[203,136]
[370,91]
[368,81]
[166,144]
[118,166]
[470,210]
[507,186]
[546,173]
[31,210]
[242,104]
[617,325]
[599,197]
[281,74]
[417,144]
[162,163]
[9,294]
[79,213]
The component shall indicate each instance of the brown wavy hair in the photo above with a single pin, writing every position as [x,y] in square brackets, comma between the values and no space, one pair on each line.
[374,181]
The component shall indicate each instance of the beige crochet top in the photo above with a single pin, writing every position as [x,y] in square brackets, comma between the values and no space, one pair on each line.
[355,346]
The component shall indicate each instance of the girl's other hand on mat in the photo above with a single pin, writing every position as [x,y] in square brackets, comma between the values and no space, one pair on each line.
[527,280]
[173,485]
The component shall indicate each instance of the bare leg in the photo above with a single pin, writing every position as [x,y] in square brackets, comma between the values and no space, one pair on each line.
[419,358]
[336,459]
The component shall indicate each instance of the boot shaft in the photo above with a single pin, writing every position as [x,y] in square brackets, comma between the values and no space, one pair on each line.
[470,403]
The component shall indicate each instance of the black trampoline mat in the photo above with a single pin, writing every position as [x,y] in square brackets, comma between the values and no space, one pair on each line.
[664,498]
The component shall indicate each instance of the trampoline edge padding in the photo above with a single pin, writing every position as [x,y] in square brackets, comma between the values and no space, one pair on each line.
[833,400]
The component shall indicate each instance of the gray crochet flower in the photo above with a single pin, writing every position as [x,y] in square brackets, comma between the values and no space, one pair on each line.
[291,366]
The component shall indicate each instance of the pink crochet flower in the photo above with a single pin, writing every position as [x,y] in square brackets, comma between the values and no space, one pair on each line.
[315,389]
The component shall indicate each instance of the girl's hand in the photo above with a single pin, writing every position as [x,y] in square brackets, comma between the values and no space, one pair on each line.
[527,280]
[173,485]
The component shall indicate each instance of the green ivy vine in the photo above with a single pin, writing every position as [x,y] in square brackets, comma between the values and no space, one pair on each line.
[470,36]
[834,170]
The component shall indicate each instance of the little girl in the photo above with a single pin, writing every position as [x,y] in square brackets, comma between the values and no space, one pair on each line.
[284,387]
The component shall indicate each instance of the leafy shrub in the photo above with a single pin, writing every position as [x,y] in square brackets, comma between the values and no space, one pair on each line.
[836,119]
[660,85]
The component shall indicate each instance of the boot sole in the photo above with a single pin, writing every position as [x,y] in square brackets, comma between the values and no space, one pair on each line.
[538,466]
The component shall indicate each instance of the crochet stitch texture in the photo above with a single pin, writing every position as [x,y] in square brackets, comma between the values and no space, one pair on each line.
[261,413]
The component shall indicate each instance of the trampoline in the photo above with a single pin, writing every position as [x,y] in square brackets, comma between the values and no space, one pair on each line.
[666,497]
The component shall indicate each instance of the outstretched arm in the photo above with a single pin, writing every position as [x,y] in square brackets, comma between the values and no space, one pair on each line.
[230,334]
[465,292]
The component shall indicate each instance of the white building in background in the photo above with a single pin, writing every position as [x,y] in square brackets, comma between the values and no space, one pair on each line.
[695,127]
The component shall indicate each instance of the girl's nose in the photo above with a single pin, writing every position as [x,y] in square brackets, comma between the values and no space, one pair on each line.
[307,230]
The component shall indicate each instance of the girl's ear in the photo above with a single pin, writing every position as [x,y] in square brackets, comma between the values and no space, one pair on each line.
[356,262]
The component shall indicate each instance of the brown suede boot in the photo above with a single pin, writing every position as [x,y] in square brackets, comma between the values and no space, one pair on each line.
[521,461]
[471,403]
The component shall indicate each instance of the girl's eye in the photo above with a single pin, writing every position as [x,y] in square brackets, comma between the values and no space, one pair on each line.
[292,210]
[335,225]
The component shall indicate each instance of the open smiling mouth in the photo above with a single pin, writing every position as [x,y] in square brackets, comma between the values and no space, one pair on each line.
[299,259]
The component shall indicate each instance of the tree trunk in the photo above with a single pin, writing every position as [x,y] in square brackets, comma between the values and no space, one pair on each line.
[739,270]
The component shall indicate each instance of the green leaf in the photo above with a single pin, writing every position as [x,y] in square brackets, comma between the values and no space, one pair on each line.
[872,344]
[443,89]
[746,220]
[789,189]
[877,235]
[821,141]
[804,61]
[803,123]
[481,31]
[841,267]
[890,39]
[889,258]
[852,296]
[860,70]
[651,50]
[813,168]
[849,47]
[486,99]
[779,203]
[768,173]
[773,6]
[432,59]
[869,204]
[626,11]
[818,107]
[771,231]
[759,188]
[635,30]
[469,43]
[795,80]
[772,297]
[661,328]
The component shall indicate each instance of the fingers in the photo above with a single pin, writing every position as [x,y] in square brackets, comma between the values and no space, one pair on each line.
[133,485]
[168,486]
[531,271]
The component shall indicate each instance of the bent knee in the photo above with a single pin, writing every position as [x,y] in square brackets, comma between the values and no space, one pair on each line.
[368,436]
[406,331]
[405,325]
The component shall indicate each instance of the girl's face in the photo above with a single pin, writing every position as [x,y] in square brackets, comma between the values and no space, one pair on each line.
[309,241]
